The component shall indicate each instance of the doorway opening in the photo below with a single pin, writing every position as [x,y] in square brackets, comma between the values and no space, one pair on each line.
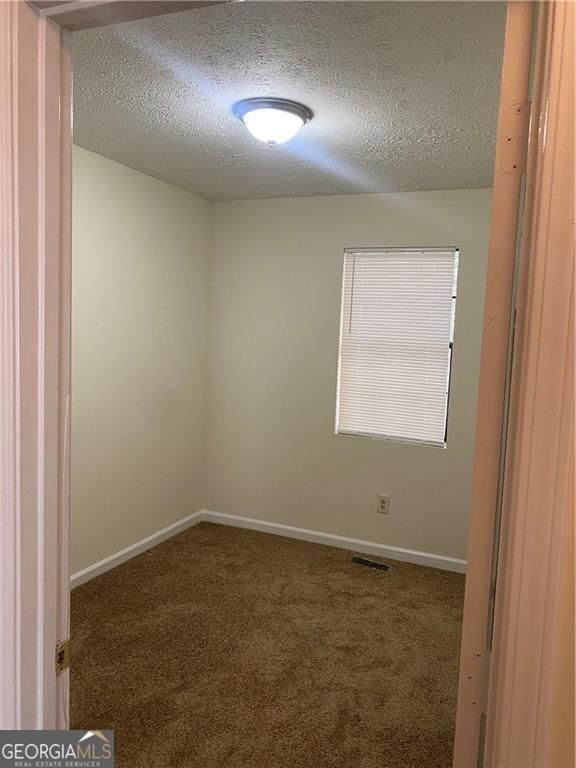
[214,280]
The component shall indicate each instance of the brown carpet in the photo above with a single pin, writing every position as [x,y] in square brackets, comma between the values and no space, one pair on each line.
[225,648]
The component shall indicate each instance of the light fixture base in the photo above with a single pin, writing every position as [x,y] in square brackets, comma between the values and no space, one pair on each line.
[241,108]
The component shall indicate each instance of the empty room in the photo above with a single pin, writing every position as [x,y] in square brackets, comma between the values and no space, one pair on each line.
[281,220]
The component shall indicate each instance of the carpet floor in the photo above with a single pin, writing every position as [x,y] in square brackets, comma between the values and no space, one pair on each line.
[226,648]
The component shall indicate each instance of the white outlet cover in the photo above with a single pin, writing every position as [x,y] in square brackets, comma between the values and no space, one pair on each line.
[383,504]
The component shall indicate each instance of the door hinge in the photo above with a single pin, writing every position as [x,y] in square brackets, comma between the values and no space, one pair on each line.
[514,149]
[63,656]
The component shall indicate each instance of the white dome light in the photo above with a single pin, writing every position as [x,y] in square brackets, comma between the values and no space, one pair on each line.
[273,126]
[272,121]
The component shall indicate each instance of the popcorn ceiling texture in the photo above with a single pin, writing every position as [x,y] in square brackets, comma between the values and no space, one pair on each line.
[405,96]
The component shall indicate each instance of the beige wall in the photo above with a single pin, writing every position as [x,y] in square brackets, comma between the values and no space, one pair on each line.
[275,281]
[171,292]
[138,350]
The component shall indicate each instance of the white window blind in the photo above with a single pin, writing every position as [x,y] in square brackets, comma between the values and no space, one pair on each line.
[396,343]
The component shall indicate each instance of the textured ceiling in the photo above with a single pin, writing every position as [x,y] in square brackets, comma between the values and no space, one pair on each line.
[404,95]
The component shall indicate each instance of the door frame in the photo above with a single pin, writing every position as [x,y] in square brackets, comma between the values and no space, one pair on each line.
[35,209]
[523,564]
[35,213]
[494,382]
[531,694]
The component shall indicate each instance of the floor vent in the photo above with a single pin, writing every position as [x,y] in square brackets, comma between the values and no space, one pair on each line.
[371,563]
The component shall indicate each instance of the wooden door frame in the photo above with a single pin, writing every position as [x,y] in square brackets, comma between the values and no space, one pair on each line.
[509,687]
[35,207]
[75,15]
[509,170]
[534,620]
[35,210]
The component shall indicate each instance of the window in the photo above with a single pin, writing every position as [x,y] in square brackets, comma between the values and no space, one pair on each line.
[397,325]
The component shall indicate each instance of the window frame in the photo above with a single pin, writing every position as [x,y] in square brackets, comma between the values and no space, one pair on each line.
[399,249]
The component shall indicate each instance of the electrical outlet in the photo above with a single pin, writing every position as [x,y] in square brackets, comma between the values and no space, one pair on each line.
[383,504]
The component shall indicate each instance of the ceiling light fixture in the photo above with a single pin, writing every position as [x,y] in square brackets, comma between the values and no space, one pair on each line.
[272,121]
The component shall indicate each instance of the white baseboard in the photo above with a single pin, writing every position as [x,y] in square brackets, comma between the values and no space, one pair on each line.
[134,549]
[278,529]
[343,542]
